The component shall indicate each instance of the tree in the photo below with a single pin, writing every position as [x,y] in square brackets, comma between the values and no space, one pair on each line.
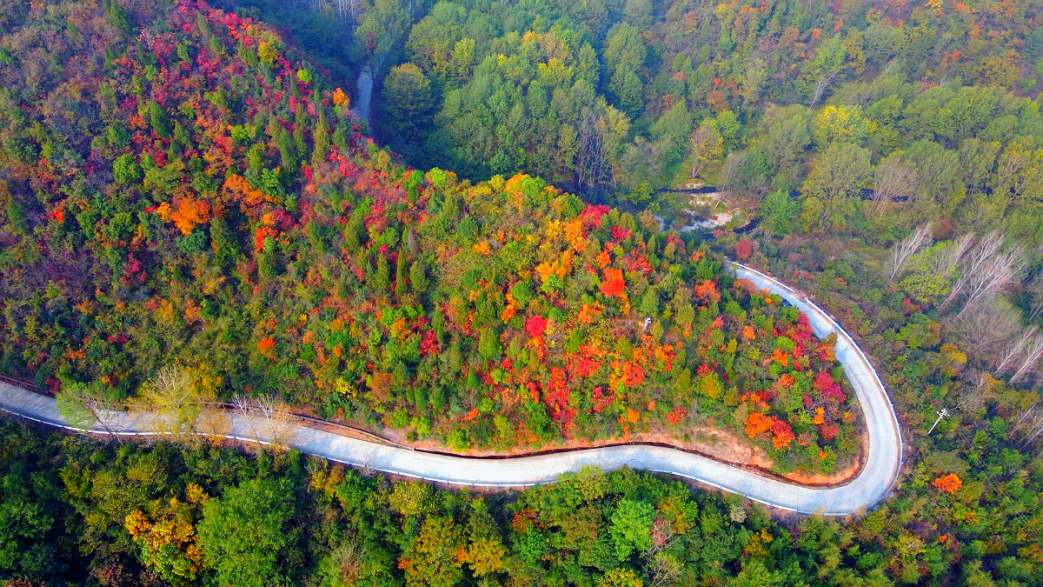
[159,120]
[418,278]
[835,185]
[1019,173]
[620,577]
[410,498]
[268,419]
[746,172]
[638,13]
[223,241]
[937,189]
[706,144]
[1035,292]
[624,54]
[167,537]
[987,327]
[125,169]
[431,560]
[82,407]
[950,483]
[904,249]
[673,130]
[785,143]
[489,345]
[985,271]
[1030,358]
[839,124]
[486,556]
[823,69]
[378,32]
[780,213]
[893,180]
[245,535]
[755,574]
[380,281]
[16,220]
[631,527]
[977,159]
[743,249]
[177,402]
[407,106]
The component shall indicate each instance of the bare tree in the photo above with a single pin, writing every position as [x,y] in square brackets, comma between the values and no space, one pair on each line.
[147,37]
[821,85]
[591,162]
[951,255]
[662,536]
[347,559]
[213,420]
[601,134]
[1012,352]
[973,396]
[1029,358]
[994,276]
[663,570]
[1035,292]
[985,271]
[350,11]
[169,401]
[987,327]
[906,248]
[268,418]
[892,180]
[975,261]
[731,173]
[1029,424]
[83,409]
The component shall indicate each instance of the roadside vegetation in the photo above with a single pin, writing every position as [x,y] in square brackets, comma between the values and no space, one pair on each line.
[190,214]
[78,511]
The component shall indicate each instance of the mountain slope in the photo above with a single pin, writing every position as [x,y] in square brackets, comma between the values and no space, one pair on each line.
[182,188]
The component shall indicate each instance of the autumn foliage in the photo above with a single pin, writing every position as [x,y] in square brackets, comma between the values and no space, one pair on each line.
[237,219]
[950,483]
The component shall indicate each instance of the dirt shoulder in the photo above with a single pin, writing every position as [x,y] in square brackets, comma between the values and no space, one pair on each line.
[720,445]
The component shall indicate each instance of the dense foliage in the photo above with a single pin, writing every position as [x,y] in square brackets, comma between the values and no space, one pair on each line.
[190,195]
[179,186]
[614,98]
[81,512]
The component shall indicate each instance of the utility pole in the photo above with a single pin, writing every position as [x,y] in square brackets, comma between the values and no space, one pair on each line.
[944,413]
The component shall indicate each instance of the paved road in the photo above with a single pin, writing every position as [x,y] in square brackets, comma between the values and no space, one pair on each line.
[872,484]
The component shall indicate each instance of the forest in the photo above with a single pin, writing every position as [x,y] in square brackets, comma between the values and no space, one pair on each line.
[187,194]
[195,200]
[81,511]
[615,99]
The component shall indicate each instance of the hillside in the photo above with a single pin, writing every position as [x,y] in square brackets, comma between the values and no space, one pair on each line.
[182,190]
[617,98]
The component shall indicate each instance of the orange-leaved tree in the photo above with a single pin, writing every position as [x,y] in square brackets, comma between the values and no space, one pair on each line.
[950,483]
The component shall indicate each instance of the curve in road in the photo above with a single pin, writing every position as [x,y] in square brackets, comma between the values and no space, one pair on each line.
[873,483]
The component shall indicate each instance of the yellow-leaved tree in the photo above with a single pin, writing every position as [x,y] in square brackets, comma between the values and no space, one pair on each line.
[181,402]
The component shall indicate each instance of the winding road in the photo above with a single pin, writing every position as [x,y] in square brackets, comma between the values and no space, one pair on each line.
[873,483]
